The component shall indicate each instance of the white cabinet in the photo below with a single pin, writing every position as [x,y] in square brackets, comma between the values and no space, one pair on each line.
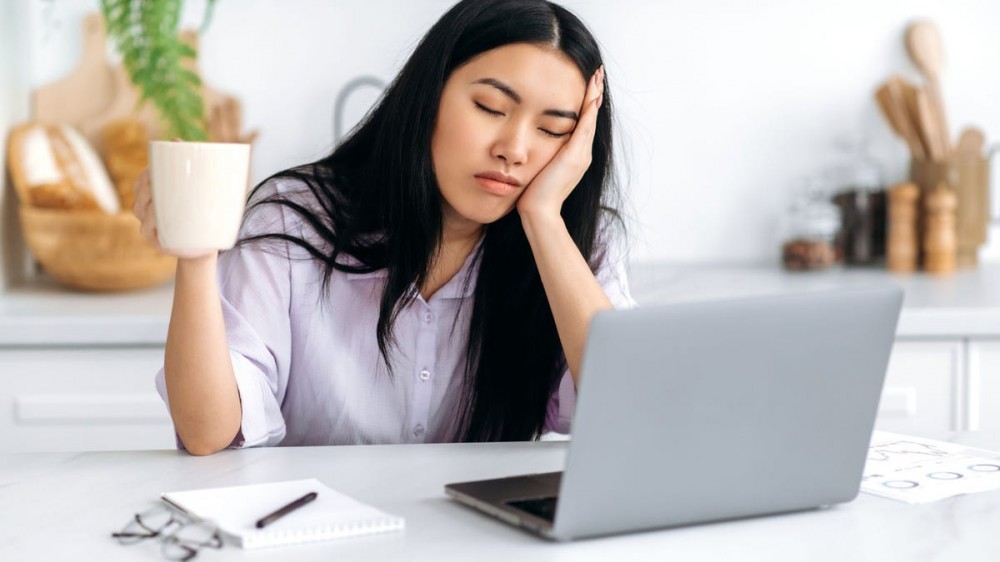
[76,399]
[102,397]
[984,385]
[923,387]
[942,385]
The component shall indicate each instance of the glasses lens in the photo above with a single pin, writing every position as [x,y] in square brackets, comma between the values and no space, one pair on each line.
[145,525]
[185,543]
[156,520]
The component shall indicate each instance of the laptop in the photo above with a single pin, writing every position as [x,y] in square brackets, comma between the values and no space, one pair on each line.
[696,412]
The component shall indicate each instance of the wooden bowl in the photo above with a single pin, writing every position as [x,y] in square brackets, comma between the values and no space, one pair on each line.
[94,251]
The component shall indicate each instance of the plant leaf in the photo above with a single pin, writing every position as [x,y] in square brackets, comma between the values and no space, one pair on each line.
[146,34]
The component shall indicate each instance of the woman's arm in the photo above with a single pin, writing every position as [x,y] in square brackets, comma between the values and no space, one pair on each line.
[198,372]
[573,292]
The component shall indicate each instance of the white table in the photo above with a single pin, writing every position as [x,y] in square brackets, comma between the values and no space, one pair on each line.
[64,506]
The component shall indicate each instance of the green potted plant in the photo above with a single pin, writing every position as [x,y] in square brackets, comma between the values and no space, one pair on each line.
[146,33]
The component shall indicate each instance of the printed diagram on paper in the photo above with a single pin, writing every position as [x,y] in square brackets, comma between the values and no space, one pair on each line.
[918,470]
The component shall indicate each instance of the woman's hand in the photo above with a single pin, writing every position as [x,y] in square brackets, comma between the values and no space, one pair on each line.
[143,209]
[550,188]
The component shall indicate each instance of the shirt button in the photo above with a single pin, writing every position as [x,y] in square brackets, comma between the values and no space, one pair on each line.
[418,430]
[425,375]
[428,317]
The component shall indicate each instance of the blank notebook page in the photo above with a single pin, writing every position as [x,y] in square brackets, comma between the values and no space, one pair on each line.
[236,510]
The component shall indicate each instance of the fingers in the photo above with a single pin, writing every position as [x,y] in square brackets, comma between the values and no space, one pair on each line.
[583,135]
[142,193]
[143,208]
[596,87]
[147,217]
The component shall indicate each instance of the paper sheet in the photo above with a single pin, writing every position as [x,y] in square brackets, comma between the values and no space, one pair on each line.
[917,470]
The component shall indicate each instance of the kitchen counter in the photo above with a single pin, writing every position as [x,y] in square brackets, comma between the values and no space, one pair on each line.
[966,304]
[44,313]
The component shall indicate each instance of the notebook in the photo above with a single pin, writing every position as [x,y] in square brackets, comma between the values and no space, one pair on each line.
[236,509]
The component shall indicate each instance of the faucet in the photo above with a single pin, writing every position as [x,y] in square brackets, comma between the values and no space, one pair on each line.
[341,101]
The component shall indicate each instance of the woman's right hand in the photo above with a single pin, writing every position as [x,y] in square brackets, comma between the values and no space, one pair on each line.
[143,209]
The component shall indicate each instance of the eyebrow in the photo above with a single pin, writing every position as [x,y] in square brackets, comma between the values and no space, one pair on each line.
[510,93]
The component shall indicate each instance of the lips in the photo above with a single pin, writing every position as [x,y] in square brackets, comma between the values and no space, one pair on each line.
[497,183]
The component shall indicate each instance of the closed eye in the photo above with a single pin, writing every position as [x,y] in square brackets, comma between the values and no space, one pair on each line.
[553,135]
[493,112]
[496,113]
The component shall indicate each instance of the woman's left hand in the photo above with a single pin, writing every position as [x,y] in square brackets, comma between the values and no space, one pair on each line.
[550,188]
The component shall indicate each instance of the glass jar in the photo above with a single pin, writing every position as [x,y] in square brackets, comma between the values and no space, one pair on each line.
[810,231]
[862,202]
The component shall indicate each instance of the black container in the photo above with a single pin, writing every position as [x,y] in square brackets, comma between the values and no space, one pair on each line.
[863,215]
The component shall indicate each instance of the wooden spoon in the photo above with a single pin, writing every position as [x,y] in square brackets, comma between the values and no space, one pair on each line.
[913,113]
[936,150]
[923,43]
[890,99]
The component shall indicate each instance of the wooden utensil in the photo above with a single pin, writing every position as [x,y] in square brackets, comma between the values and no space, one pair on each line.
[909,92]
[923,43]
[890,99]
[937,152]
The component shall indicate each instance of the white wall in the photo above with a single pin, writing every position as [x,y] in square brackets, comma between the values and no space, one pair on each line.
[724,104]
[14,107]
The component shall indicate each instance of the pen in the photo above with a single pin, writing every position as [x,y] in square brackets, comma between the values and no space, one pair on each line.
[271,518]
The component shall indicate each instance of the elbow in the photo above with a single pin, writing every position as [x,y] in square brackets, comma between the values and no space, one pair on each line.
[200,449]
[204,444]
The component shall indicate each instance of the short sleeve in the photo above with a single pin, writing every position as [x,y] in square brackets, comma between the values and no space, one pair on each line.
[612,275]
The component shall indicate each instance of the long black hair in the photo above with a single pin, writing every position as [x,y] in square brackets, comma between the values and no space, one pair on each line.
[378,201]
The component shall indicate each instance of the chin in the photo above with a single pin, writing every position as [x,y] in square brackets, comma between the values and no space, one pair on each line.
[483,215]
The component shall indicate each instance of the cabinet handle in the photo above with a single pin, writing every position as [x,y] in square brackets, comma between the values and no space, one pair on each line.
[898,402]
[94,408]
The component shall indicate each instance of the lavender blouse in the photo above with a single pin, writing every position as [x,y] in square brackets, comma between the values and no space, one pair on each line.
[306,360]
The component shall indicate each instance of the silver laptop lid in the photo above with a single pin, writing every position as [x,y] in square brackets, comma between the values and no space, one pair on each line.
[705,411]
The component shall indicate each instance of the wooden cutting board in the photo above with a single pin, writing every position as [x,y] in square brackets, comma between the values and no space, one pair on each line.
[98,93]
[88,90]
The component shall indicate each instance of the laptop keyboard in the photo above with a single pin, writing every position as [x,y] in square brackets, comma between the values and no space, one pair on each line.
[544,508]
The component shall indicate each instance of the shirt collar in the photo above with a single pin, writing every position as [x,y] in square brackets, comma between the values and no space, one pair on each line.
[462,285]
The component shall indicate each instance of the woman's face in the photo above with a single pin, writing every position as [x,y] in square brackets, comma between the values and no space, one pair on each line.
[503,114]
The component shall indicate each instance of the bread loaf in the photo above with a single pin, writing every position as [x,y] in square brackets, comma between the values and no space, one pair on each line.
[126,150]
[54,167]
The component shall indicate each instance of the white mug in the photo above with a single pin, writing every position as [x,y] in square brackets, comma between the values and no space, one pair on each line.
[199,192]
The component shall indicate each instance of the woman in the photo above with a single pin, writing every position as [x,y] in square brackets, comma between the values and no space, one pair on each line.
[430,280]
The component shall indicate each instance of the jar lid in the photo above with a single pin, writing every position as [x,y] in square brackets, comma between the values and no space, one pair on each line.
[866,177]
[814,217]
[824,218]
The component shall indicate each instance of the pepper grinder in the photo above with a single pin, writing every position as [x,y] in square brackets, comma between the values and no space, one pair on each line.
[940,236]
[903,243]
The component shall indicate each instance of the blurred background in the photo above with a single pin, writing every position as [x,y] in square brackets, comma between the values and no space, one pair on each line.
[725,108]
[750,140]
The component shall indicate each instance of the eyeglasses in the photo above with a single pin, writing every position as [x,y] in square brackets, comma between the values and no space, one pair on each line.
[180,539]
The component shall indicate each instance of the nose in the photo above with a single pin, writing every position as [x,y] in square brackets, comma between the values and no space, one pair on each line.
[512,145]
